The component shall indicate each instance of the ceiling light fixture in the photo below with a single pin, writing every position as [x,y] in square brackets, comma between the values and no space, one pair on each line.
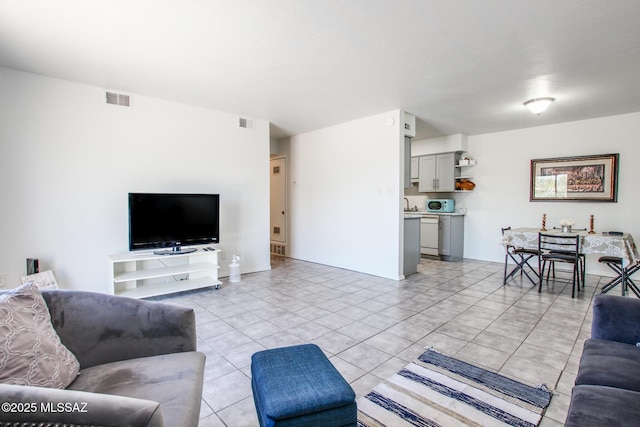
[538,105]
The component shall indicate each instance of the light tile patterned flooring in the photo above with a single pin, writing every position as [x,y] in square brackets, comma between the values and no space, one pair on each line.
[371,327]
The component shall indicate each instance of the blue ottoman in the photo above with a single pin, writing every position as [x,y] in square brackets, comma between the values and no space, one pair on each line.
[298,386]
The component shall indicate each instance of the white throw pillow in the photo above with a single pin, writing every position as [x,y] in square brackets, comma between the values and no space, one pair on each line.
[31,352]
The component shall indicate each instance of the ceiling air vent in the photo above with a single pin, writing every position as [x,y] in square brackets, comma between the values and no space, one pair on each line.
[245,123]
[118,99]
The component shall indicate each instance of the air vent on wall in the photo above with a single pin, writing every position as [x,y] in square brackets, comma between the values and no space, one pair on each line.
[118,99]
[245,123]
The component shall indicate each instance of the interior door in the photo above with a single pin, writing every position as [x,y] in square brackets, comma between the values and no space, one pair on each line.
[278,200]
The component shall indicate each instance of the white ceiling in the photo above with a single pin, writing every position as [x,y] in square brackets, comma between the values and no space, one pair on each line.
[461,66]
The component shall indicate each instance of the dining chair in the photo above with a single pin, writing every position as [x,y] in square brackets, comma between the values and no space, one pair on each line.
[521,257]
[623,275]
[559,248]
[583,258]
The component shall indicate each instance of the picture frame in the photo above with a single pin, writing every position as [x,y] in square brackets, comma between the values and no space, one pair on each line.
[592,178]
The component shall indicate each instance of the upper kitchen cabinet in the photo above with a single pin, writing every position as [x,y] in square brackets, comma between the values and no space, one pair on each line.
[415,172]
[437,173]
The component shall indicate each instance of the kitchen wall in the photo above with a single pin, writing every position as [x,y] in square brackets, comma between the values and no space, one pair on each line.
[442,144]
[501,197]
[68,160]
[344,195]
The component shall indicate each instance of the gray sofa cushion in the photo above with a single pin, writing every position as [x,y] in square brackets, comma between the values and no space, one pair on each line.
[593,405]
[174,380]
[100,328]
[616,318]
[610,363]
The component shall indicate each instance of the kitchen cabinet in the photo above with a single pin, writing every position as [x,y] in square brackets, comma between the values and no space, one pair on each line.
[451,237]
[415,171]
[437,173]
[411,245]
[407,162]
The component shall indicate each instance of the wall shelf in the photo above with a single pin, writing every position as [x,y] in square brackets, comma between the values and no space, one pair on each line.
[462,174]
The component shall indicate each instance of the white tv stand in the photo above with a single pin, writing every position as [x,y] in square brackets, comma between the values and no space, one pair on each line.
[145,274]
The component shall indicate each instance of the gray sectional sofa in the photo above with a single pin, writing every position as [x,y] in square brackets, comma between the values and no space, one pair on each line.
[138,365]
[607,387]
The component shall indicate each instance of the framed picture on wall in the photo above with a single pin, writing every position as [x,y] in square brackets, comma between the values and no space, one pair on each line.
[582,178]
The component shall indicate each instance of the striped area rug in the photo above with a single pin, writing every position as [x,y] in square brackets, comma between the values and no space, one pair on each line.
[438,390]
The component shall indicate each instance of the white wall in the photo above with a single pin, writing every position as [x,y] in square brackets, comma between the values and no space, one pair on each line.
[345,195]
[68,160]
[501,197]
[442,144]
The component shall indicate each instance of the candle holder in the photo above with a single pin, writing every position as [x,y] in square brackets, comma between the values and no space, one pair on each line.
[591,221]
[544,222]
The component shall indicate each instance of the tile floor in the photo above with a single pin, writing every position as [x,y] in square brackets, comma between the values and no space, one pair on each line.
[371,327]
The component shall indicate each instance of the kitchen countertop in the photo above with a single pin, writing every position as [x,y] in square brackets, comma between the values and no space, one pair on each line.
[418,214]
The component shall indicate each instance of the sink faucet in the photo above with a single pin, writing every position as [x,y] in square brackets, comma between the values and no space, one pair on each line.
[407,200]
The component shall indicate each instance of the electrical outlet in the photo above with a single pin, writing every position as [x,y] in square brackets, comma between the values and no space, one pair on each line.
[3,280]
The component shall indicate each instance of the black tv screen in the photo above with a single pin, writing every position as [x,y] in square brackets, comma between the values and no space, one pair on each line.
[173,220]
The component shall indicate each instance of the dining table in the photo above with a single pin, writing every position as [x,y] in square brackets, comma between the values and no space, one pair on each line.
[619,245]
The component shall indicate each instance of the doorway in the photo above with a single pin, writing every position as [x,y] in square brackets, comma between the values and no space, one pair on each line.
[278,222]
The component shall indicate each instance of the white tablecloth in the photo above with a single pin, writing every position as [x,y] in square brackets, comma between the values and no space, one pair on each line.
[597,243]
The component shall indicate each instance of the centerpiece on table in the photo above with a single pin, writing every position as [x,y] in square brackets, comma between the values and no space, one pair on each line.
[566,225]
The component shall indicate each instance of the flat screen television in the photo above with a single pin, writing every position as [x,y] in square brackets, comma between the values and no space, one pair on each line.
[160,221]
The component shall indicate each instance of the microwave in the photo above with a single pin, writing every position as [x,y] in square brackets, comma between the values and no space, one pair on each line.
[440,205]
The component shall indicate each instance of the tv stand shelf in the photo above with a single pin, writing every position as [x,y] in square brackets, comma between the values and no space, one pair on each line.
[144,274]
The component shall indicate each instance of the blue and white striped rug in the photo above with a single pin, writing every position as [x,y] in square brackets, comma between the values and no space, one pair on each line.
[438,390]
